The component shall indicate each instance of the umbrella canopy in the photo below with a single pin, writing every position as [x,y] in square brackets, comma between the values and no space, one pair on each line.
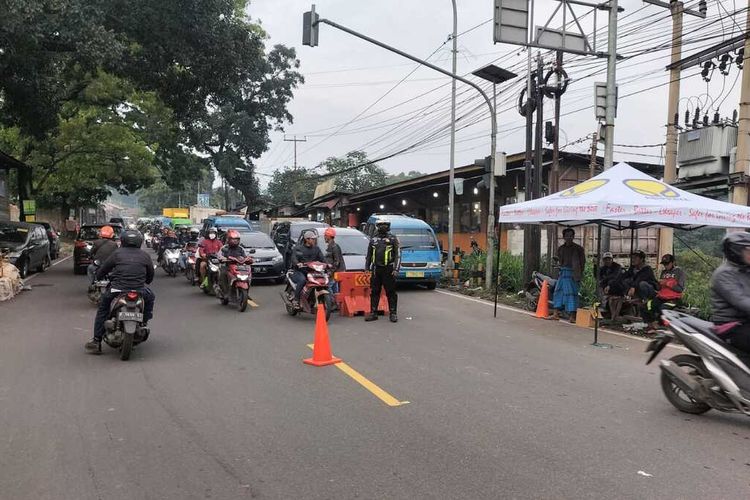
[623,197]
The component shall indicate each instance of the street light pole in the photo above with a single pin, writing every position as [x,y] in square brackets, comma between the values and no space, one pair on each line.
[452,173]
[493,133]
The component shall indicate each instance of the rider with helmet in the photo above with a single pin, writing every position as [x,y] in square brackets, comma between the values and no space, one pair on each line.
[231,249]
[168,241]
[102,249]
[383,259]
[191,240]
[334,257]
[730,289]
[210,245]
[307,251]
[129,268]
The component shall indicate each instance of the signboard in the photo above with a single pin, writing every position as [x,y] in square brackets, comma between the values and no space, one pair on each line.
[29,207]
[458,186]
[204,200]
[511,21]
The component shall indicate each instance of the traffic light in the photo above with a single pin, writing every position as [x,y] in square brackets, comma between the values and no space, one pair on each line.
[549,132]
[310,28]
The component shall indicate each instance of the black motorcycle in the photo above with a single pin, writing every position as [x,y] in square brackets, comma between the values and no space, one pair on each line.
[714,374]
[124,328]
[533,289]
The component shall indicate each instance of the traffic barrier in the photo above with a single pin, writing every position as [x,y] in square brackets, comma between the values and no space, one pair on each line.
[322,355]
[354,294]
[542,306]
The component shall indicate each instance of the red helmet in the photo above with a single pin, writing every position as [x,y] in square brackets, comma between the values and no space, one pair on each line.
[107,232]
[330,232]
[233,237]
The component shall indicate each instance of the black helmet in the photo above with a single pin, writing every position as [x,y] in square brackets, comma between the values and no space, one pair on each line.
[384,225]
[131,238]
[733,244]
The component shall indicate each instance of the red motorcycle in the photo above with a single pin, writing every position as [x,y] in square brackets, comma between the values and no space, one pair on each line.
[191,254]
[239,274]
[314,292]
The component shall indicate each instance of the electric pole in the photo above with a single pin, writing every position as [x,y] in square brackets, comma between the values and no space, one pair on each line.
[295,141]
[611,106]
[742,159]
[451,175]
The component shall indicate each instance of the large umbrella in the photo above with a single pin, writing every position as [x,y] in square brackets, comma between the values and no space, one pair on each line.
[625,198]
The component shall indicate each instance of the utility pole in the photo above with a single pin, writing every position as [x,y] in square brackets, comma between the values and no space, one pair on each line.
[451,175]
[295,141]
[554,175]
[742,159]
[609,119]
[677,9]
[528,237]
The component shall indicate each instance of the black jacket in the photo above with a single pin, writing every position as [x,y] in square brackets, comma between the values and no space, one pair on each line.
[102,249]
[632,277]
[730,293]
[383,251]
[302,254]
[128,268]
[335,257]
[609,275]
[227,251]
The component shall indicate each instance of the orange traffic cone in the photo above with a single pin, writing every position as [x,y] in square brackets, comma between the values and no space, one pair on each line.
[542,306]
[322,355]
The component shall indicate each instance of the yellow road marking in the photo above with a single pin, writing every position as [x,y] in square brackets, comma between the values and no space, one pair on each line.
[367,384]
[252,303]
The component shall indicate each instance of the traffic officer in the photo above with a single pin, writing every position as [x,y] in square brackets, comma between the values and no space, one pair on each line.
[383,259]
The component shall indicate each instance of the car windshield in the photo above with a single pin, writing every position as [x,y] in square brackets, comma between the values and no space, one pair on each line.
[92,232]
[296,231]
[256,240]
[415,238]
[13,234]
[351,244]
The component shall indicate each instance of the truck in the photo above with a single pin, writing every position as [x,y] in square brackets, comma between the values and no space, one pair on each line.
[179,213]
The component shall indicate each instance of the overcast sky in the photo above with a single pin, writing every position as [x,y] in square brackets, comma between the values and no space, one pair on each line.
[344,76]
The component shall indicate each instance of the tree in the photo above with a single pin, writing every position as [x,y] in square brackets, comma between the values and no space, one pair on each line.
[403,176]
[356,174]
[291,186]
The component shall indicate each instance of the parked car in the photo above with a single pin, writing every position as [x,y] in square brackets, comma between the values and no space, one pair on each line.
[421,259]
[353,245]
[222,223]
[268,263]
[27,246]
[54,239]
[287,233]
[85,241]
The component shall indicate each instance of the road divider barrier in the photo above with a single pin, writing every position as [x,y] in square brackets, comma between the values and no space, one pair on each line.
[354,294]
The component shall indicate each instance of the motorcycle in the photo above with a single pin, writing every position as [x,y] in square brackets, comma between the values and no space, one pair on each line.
[533,289]
[124,327]
[714,375]
[239,274]
[147,238]
[314,292]
[169,261]
[212,273]
[191,273]
[155,240]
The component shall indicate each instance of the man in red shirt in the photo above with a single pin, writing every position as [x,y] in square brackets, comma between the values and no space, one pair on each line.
[210,245]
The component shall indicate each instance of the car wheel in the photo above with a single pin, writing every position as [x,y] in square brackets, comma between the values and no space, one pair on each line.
[44,265]
[23,268]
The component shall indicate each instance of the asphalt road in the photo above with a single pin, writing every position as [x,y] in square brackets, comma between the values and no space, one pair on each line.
[218,404]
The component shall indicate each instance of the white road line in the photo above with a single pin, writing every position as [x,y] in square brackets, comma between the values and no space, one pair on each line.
[58,261]
[527,313]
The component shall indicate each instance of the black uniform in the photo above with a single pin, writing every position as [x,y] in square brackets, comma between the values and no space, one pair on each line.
[383,260]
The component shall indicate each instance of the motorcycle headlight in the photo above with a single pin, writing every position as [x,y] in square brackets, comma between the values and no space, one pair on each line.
[433,265]
[242,276]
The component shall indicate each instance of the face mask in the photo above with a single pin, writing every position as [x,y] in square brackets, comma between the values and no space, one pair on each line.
[211,236]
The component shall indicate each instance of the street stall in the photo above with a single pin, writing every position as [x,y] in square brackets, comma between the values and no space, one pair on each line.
[625,198]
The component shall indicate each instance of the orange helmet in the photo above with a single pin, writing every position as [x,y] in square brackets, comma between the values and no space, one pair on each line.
[233,238]
[330,232]
[107,232]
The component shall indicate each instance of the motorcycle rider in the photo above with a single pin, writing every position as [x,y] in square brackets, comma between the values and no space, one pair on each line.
[207,247]
[308,251]
[730,290]
[129,268]
[183,236]
[102,249]
[383,260]
[191,240]
[168,241]
[231,249]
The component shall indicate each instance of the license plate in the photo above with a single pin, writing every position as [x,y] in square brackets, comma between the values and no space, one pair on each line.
[415,274]
[130,316]
[260,270]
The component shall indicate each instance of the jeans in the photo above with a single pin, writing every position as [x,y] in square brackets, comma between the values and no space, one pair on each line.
[91,271]
[106,302]
[299,279]
[182,261]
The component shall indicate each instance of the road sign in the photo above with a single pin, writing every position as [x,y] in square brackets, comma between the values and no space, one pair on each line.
[204,199]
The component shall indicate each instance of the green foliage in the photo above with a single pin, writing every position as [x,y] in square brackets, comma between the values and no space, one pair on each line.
[355,180]
[698,268]
[403,176]
[706,240]
[289,186]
